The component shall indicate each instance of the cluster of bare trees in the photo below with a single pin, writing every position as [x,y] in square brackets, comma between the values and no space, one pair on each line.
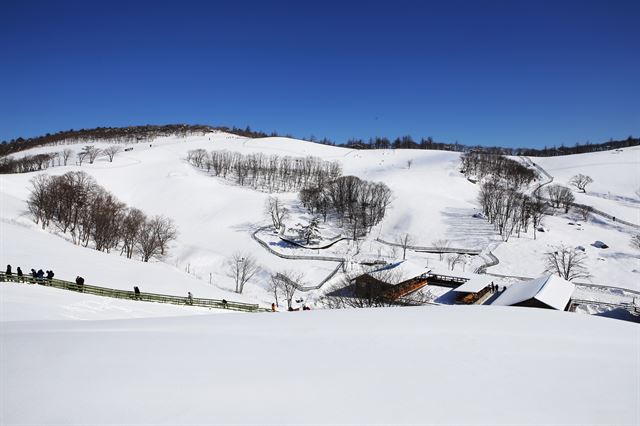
[357,203]
[285,284]
[481,164]
[29,163]
[560,196]
[77,206]
[509,210]
[34,163]
[271,173]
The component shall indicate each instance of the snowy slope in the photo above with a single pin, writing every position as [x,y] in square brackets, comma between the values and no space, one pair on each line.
[34,302]
[615,174]
[429,365]
[431,201]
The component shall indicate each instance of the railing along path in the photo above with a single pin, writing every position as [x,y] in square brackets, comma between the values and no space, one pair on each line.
[131,295]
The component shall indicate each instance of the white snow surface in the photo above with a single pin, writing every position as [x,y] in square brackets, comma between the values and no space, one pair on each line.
[427,365]
[615,174]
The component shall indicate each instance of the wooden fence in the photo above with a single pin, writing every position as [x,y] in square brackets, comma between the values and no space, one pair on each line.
[131,295]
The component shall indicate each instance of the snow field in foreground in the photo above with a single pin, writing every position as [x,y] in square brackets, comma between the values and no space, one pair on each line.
[428,365]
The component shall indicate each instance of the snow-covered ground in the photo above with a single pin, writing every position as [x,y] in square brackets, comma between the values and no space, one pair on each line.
[431,201]
[426,365]
[20,302]
[615,174]
[70,358]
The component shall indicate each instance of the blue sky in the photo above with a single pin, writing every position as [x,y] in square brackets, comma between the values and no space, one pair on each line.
[492,73]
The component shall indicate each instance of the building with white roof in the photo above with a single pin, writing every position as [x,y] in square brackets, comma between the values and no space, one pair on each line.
[547,291]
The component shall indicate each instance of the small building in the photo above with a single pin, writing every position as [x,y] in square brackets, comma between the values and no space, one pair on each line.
[547,291]
[474,289]
[390,281]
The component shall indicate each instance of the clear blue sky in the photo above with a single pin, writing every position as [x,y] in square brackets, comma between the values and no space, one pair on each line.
[493,73]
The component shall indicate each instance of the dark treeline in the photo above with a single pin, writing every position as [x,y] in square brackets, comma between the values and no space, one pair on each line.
[77,206]
[102,134]
[131,134]
[358,204]
[407,142]
[270,173]
[149,132]
[481,165]
[29,163]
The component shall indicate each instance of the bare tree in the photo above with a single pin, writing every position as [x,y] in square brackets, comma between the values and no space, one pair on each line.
[146,242]
[91,153]
[81,157]
[538,209]
[584,212]
[441,247]
[66,154]
[130,229]
[454,259]
[635,241]
[566,262]
[276,211]
[560,196]
[580,181]
[111,151]
[286,284]
[165,232]
[405,241]
[242,267]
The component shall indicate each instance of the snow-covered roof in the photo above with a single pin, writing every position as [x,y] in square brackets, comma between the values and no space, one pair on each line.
[395,273]
[548,289]
[475,284]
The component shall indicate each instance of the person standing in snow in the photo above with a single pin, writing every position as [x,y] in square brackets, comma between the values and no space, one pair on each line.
[20,275]
[190,298]
[8,273]
[80,283]
[40,275]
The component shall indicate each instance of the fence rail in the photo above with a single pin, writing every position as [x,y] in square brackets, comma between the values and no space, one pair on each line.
[131,295]
[425,249]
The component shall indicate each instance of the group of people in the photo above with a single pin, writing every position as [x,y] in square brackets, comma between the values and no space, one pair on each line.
[496,288]
[39,276]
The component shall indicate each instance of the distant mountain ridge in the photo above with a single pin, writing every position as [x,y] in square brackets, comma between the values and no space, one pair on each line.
[148,132]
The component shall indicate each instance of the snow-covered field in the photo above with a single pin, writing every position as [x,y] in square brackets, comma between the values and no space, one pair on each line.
[70,358]
[615,174]
[431,201]
[426,365]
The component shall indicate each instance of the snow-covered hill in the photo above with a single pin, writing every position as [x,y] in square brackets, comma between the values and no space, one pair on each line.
[431,201]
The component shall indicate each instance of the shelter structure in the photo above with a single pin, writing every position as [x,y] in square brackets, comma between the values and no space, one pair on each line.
[474,290]
[391,282]
[547,291]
